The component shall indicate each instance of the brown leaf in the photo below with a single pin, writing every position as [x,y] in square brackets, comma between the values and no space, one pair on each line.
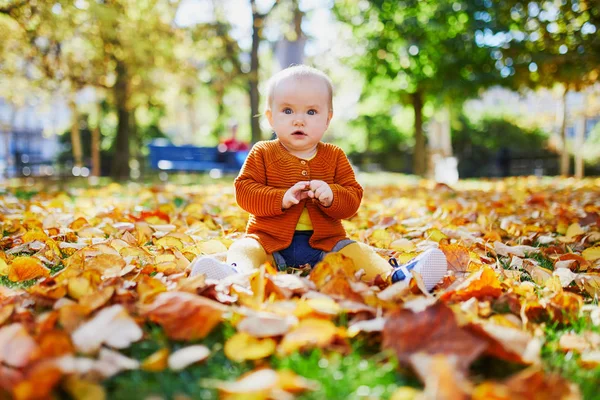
[508,343]
[433,331]
[457,256]
[531,383]
[184,316]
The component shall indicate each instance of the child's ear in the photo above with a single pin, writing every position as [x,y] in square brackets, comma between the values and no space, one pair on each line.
[269,116]
[329,117]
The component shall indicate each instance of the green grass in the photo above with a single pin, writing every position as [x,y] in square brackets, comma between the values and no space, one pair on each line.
[567,363]
[364,371]
[544,261]
[139,384]
[4,281]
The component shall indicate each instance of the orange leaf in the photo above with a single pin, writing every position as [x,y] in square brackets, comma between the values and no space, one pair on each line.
[39,383]
[55,344]
[79,223]
[25,268]
[184,316]
[481,284]
[457,256]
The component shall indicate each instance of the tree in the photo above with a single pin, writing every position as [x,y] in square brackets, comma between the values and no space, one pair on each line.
[548,43]
[420,51]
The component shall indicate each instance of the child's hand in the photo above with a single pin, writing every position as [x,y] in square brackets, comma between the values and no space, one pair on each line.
[321,191]
[294,194]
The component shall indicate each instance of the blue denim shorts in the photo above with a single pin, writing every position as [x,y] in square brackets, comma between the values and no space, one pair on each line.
[300,253]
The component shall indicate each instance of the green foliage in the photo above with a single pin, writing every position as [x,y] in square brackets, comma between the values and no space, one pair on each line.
[544,261]
[478,145]
[543,43]
[421,46]
[140,384]
[567,363]
[364,372]
[4,281]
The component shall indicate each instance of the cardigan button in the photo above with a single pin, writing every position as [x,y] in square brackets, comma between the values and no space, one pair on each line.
[304,173]
[303,162]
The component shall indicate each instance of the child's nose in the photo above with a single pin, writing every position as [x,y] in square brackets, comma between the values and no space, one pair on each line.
[299,122]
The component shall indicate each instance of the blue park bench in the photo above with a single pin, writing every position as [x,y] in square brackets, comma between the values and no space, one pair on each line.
[164,156]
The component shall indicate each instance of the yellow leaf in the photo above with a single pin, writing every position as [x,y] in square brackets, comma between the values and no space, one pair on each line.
[406,393]
[25,268]
[81,389]
[157,361]
[435,234]
[309,332]
[241,347]
[574,230]
[35,235]
[3,267]
[211,247]
[591,254]
[381,238]
[403,245]
[168,242]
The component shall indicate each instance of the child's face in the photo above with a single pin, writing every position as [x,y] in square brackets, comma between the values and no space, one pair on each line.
[300,112]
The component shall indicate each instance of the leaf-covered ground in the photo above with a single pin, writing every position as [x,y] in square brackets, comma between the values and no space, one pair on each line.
[96,302]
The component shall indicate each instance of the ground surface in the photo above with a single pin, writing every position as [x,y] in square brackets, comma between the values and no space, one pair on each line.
[96,302]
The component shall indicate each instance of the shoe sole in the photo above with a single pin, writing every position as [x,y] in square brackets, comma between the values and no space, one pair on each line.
[432,268]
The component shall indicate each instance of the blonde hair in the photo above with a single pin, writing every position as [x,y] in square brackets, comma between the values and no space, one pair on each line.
[297,72]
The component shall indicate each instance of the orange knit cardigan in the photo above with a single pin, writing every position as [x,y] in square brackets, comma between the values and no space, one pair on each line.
[270,170]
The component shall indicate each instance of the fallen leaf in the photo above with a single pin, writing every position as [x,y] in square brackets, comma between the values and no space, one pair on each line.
[17,347]
[186,356]
[440,376]
[310,332]
[433,331]
[25,268]
[457,256]
[481,284]
[184,316]
[241,347]
[101,329]
[156,361]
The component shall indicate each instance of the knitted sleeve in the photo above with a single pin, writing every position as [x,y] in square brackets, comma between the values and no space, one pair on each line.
[251,191]
[347,192]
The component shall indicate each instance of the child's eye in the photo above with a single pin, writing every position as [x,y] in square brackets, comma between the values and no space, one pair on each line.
[287,110]
[312,112]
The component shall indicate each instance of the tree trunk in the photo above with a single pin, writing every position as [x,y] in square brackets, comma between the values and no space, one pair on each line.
[75,134]
[564,155]
[120,167]
[578,147]
[257,22]
[219,127]
[95,150]
[419,156]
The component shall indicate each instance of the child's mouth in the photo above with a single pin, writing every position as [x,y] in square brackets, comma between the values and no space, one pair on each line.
[299,133]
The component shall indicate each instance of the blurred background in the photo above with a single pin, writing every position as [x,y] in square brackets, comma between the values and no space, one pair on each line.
[441,89]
